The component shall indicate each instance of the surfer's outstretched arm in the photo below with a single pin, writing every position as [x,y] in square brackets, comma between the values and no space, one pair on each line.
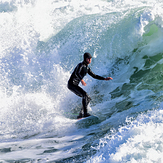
[108,78]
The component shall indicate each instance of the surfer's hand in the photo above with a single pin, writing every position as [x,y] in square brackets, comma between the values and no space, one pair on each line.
[109,78]
[83,82]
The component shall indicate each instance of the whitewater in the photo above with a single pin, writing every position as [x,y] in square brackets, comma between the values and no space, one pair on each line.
[41,42]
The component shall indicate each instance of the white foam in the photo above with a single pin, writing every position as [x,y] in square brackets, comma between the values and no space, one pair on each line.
[141,141]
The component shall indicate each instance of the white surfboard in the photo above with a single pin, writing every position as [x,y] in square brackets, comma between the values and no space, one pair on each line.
[88,121]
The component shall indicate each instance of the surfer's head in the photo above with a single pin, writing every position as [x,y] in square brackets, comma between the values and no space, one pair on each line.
[87,57]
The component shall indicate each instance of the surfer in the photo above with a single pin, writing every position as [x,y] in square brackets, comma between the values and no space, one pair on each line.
[77,76]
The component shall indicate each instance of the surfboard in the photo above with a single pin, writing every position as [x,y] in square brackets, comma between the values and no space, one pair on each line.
[88,121]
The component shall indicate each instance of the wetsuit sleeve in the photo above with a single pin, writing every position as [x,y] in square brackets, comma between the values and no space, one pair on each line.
[94,75]
[78,72]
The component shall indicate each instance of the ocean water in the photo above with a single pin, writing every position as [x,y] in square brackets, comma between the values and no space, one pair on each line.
[41,42]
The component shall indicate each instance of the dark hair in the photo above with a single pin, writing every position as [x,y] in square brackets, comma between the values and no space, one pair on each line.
[87,55]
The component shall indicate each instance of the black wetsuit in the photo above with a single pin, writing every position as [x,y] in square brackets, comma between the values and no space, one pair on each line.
[78,74]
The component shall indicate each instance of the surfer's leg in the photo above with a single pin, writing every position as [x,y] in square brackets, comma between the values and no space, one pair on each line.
[85,99]
[76,89]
